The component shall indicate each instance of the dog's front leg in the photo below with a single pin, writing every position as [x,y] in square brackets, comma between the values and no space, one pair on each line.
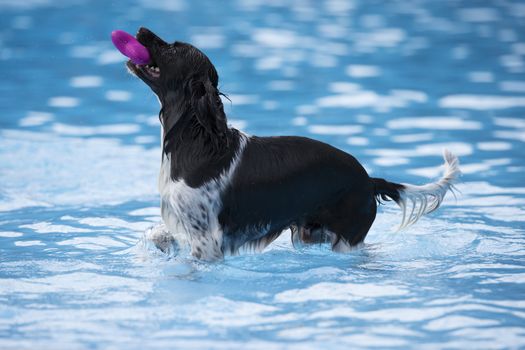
[206,245]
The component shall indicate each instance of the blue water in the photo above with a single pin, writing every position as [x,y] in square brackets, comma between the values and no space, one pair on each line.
[390,82]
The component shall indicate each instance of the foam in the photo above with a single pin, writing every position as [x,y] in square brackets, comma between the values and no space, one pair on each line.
[351,97]
[362,71]
[34,118]
[339,291]
[63,102]
[494,146]
[86,81]
[275,38]
[335,129]
[118,95]
[109,129]
[434,123]
[481,102]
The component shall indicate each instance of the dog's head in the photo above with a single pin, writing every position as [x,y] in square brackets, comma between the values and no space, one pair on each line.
[184,80]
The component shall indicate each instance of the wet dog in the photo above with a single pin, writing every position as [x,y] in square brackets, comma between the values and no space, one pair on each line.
[224,191]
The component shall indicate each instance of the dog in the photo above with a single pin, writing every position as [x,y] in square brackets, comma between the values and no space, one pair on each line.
[225,191]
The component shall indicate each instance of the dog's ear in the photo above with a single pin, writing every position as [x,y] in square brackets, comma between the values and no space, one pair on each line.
[207,106]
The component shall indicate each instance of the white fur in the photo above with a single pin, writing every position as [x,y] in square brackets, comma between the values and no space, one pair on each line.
[425,199]
[193,212]
[342,246]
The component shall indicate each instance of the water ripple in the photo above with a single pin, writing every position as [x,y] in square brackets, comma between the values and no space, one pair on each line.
[85,264]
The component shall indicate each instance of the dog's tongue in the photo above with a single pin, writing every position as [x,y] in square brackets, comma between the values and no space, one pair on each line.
[130,47]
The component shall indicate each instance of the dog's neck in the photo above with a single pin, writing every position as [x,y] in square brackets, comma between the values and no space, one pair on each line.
[195,154]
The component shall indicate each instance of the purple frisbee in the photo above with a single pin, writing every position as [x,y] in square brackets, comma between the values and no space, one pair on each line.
[130,47]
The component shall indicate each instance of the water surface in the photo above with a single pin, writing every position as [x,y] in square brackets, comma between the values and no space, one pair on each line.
[392,83]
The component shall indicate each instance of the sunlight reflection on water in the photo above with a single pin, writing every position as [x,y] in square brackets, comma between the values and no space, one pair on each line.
[391,84]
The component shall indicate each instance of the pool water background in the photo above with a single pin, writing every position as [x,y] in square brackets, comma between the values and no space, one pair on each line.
[392,83]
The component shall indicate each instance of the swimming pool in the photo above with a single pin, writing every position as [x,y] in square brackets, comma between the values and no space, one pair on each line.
[392,83]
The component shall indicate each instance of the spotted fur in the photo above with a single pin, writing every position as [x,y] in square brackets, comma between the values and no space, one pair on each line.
[193,212]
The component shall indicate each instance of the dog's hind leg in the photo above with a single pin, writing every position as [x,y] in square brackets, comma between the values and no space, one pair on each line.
[308,234]
[347,223]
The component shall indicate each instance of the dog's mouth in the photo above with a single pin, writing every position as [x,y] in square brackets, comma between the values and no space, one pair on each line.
[150,71]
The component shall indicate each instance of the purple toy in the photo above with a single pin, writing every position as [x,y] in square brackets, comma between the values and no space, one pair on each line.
[130,47]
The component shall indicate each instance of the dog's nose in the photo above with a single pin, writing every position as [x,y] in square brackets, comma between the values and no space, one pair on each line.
[143,31]
[144,34]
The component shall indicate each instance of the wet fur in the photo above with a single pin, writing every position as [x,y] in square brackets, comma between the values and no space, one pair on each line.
[225,191]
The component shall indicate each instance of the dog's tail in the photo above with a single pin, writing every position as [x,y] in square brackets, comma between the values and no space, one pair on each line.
[416,201]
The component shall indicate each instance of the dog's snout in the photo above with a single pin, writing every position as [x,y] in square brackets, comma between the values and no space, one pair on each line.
[147,38]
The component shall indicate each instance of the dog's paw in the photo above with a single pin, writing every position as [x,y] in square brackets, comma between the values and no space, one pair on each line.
[161,239]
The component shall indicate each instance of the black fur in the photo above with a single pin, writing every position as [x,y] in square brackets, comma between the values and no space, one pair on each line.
[321,192]
[285,181]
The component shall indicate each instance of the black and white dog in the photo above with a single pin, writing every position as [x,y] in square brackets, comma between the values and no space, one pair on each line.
[225,191]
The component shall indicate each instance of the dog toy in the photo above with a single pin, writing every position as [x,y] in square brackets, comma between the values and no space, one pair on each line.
[130,47]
